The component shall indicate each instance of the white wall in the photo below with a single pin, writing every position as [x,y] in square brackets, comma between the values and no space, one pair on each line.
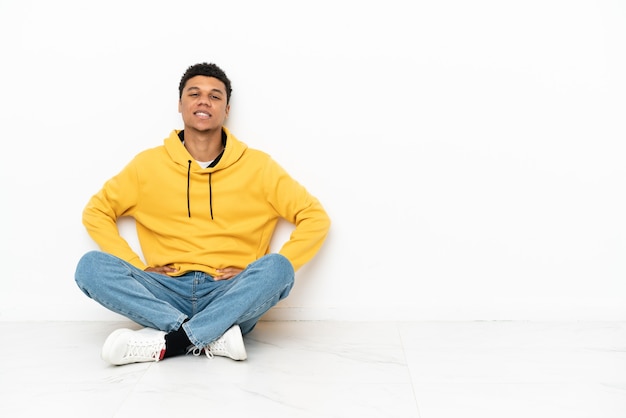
[470,153]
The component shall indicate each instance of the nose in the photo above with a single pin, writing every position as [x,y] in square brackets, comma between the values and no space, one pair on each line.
[206,100]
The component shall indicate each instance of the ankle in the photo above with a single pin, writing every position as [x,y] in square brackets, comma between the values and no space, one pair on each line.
[176,343]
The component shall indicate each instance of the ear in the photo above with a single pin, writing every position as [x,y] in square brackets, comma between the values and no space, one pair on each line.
[180,106]
[227,109]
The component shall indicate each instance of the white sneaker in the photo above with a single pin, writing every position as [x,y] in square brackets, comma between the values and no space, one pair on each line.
[126,346]
[228,345]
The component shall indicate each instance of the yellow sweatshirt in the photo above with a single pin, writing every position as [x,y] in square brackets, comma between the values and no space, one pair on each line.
[202,219]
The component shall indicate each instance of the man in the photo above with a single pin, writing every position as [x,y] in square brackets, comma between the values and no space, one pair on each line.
[205,207]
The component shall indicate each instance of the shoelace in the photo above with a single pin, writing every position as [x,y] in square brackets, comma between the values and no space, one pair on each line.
[218,347]
[143,349]
[196,351]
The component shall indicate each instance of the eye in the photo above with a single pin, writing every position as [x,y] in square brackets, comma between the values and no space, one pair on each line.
[216,97]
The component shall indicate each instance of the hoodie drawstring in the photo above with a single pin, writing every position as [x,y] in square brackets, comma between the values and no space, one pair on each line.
[210,191]
[188,179]
[211,195]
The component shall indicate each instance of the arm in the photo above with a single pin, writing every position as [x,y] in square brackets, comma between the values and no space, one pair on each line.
[117,198]
[294,203]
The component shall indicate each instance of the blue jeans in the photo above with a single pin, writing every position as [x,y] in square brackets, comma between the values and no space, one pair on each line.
[164,302]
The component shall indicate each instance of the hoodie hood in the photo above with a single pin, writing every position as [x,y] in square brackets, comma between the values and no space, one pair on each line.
[233,151]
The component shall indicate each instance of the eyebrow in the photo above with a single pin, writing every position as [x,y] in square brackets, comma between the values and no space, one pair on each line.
[212,90]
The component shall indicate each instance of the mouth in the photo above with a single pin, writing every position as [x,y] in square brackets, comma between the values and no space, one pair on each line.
[202,115]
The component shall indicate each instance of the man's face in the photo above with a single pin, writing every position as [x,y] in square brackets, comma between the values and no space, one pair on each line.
[203,104]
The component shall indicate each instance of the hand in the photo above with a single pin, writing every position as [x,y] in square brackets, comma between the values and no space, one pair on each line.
[226,273]
[165,270]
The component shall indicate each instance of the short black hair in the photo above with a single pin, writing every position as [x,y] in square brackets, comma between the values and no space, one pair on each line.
[207,70]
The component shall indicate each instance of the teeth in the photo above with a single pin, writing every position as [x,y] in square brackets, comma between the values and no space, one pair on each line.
[202,114]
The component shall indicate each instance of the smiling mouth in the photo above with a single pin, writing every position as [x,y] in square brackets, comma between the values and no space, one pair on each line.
[202,115]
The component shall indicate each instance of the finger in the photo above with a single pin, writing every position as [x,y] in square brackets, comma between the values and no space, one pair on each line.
[223,276]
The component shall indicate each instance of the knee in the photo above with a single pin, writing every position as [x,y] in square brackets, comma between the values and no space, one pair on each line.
[87,267]
[274,266]
[280,262]
[279,267]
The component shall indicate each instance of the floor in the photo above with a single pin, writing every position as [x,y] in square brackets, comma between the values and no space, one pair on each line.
[328,369]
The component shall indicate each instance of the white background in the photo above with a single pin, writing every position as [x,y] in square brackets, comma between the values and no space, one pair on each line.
[470,153]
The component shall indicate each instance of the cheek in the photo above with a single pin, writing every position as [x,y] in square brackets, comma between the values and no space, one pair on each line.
[185,111]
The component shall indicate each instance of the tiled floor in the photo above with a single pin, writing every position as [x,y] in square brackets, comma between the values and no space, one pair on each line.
[327,369]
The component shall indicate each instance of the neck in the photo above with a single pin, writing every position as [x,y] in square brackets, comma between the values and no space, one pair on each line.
[203,146]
